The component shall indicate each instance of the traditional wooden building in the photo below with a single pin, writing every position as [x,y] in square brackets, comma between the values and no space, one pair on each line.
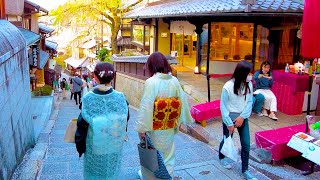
[214,35]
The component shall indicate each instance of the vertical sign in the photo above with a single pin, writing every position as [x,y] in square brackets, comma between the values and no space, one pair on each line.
[35,56]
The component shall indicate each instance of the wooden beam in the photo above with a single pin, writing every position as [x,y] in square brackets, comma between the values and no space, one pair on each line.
[208,59]
[254,43]
[157,35]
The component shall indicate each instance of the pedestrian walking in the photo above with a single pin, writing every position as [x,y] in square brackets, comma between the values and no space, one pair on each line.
[64,85]
[153,120]
[77,84]
[55,84]
[71,88]
[236,107]
[102,127]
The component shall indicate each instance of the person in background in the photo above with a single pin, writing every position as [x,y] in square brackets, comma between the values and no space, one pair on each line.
[71,88]
[85,85]
[264,81]
[162,85]
[77,84]
[55,83]
[94,82]
[101,127]
[236,107]
[63,85]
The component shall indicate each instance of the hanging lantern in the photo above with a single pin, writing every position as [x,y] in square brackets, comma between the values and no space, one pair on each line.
[299,33]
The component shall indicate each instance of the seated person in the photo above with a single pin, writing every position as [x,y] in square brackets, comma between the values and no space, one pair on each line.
[264,81]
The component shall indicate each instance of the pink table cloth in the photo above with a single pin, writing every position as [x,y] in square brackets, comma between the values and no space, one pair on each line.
[298,83]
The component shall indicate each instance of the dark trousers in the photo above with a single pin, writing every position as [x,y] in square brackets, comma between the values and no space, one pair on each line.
[71,95]
[77,95]
[258,101]
[244,139]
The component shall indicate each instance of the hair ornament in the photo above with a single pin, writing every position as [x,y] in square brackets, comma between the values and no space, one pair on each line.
[101,74]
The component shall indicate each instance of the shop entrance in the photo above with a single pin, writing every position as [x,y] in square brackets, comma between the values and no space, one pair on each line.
[185,45]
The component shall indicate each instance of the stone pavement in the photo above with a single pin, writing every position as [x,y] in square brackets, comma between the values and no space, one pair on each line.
[40,113]
[52,158]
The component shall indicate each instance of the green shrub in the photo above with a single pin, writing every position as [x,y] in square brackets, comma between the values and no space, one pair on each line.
[45,90]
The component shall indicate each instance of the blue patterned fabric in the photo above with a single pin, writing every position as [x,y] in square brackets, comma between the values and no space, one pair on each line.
[162,173]
[107,118]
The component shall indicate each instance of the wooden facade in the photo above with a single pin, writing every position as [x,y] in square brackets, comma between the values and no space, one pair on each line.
[132,69]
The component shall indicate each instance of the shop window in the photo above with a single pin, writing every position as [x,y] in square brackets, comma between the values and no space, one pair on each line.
[231,41]
[138,33]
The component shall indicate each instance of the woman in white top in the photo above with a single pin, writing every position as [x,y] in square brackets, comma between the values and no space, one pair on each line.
[236,107]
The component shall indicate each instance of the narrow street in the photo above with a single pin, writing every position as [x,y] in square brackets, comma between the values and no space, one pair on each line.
[194,159]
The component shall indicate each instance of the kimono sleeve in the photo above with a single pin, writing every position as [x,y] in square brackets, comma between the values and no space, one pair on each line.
[185,116]
[145,114]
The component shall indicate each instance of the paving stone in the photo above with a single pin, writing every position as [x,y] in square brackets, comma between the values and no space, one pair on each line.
[76,166]
[182,175]
[61,158]
[63,176]
[207,172]
[55,168]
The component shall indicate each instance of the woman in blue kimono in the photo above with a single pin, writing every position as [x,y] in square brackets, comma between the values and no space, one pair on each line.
[102,127]
[161,85]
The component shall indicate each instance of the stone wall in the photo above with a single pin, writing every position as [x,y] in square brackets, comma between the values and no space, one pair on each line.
[131,87]
[16,125]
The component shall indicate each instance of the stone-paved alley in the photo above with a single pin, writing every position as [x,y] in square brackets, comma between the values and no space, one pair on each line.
[194,159]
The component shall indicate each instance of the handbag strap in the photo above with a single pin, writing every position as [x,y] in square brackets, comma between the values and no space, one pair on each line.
[76,82]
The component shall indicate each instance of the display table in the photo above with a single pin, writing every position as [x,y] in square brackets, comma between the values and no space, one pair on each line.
[275,141]
[307,145]
[290,90]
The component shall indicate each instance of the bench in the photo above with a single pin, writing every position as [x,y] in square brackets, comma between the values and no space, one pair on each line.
[204,111]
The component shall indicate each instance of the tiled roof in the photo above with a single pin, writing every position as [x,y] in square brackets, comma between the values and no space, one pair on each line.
[11,40]
[29,36]
[137,59]
[123,41]
[183,8]
[51,45]
[44,56]
[29,4]
[45,29]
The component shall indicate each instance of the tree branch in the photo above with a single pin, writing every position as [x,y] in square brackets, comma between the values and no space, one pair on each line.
[128,8]
[108,23]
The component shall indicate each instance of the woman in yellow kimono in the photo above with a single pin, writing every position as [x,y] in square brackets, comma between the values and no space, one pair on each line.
[159,125]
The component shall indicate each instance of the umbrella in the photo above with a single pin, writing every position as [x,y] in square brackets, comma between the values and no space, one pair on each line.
[310,42]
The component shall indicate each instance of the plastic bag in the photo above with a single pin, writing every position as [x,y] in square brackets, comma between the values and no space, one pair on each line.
[229,150]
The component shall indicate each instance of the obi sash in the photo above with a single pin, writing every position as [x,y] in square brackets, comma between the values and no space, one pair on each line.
[166,113]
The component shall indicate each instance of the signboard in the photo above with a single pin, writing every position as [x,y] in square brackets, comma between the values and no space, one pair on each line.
[35,56]
[307,145]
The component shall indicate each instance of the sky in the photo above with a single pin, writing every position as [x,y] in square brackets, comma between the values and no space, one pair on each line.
[49,4]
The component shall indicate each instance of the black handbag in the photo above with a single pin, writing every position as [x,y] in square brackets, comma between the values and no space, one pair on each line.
[151,159]
[148,156]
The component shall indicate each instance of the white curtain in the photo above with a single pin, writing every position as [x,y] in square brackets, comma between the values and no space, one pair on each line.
[182,27]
